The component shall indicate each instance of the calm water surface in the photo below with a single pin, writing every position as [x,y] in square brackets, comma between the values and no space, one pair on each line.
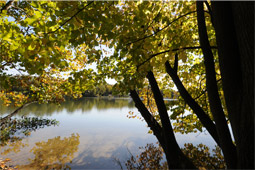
[92,133]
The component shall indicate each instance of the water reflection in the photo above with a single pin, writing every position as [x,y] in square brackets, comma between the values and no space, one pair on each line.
[83,104]
[14,147]
[53,154]
[14,130]
[103,128]
[104,132]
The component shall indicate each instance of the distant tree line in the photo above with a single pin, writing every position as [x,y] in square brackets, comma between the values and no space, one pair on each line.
[104,90]
[112,90]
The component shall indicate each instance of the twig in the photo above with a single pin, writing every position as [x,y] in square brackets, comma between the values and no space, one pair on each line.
[118,162]
[17,69]
[2,66]
[154,18]
[203,92]
[210,12]
[70,18]
[166,51]
[7,6]
[162,28]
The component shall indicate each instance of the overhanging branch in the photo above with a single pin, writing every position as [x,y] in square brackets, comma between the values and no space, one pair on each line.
[176,19]
[170,50]
[7,6]
[15,112]
[70,18]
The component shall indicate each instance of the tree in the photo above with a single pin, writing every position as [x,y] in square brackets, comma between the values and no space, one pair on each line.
[235,40]
[206,52]
[228,35]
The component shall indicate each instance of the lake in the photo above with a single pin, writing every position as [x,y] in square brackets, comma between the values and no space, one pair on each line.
[92,133]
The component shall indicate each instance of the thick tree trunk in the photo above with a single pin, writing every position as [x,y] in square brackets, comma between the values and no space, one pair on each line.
[227,146]
[244,24]
[234,26]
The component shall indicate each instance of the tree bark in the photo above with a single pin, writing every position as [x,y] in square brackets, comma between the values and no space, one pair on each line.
[234,27]
[203,117]
[2,120]
[175,157]
[227,146]
[152,123]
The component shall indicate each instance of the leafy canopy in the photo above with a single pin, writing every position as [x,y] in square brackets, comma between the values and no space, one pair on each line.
[53,46]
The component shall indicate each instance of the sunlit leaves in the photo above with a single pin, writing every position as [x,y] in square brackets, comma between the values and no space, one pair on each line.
[151,157]
[28,48]
[202,158]
[4,164]
[17,97]
[47,40]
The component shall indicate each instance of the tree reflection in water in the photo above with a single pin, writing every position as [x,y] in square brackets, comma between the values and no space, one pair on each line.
[56,153]
[14,130]
[83,104]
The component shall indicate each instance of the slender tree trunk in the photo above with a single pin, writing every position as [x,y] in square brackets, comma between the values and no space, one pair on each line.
[227,146]
[148,117]
[175,157]
[234,26]
[165,135]
[203,117]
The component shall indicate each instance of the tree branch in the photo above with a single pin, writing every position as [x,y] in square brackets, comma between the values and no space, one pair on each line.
[173,50]
[7,6]
[152,123]
[176,63]
[70,18]
[203,117]
[210,11]
[158,132]
[15,112]
[166,125]
[228,148]
[203,92]
[176,19]
[175,158]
